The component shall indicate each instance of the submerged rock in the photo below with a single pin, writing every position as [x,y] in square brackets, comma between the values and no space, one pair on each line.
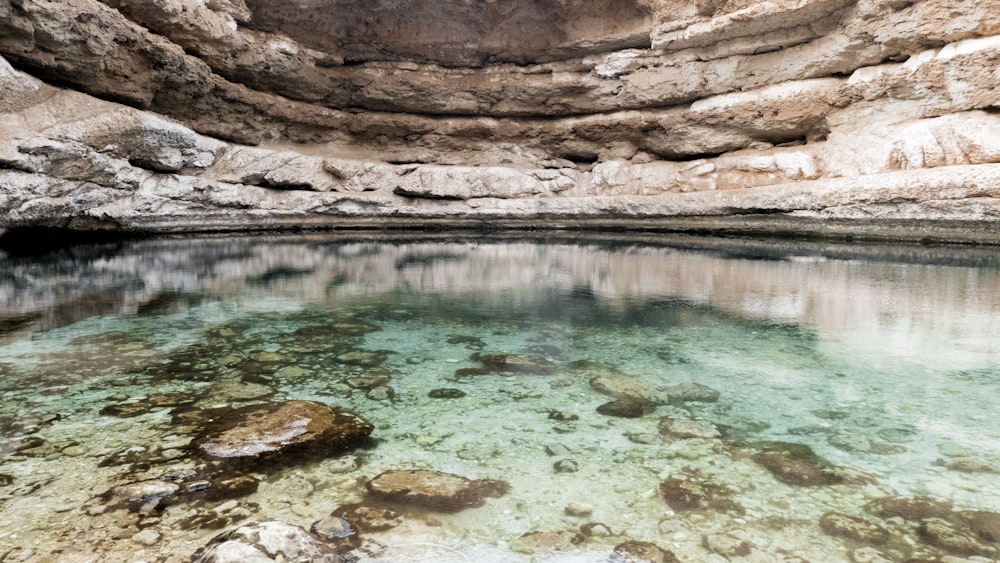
[526,364]
[368,518]
[434,490]
[621,386]
[293,425]
[446,393]
[796,464]
[546,542]
[266,541]
[692,493]
[912,509]
[953,539]
[691,392]
[854,528]
[641,552]
[684,428]
[628,407]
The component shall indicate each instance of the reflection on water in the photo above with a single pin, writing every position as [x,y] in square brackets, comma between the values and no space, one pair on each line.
[527,401]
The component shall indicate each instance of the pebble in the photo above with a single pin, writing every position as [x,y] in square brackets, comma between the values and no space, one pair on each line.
[74,451]
[147,537]
[381,393]
[578,509]
[301,510]
[566,466]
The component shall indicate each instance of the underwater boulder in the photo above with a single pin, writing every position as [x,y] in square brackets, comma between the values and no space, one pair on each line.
[266,541]
[525,364]
[641,552]
[691,392]
[851,527]
[621,386]
[628,407]
[681,428]
[796,465]
[434,490]
[299,426]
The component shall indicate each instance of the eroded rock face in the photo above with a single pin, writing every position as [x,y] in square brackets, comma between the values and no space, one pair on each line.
[824,116]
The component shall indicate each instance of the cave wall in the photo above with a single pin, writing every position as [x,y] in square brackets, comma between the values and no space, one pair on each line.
[848,117]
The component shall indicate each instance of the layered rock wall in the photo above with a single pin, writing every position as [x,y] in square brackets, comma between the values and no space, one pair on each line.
[870,117]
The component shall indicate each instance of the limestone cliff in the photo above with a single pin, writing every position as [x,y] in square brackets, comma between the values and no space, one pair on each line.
[869,117]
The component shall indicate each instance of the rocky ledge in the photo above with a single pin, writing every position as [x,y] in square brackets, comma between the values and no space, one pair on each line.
[872,118]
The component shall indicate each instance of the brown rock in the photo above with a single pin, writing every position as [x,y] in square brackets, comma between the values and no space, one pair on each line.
[945,535]
[628,407]
[641,552]
[913,509]
[434,490]
[528,364]
[271,428]
[797,465]
[684,428]
[368,518]
[854,528]
[546,542]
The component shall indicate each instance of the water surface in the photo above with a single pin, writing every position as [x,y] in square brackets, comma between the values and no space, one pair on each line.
[877,368]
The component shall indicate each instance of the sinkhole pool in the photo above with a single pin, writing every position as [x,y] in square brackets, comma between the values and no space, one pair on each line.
[322,398]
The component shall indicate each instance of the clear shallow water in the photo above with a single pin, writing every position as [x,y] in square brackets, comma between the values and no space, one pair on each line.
[885,362]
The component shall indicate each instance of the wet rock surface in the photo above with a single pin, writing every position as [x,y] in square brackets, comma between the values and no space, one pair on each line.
[854,528]
[797,465]
[266,541]
[301,426]
[641,552]
[434,490]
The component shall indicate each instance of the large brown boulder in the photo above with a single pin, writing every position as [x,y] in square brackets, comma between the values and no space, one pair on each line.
[299,426]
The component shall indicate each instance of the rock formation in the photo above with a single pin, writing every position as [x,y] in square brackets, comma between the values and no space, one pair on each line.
[854,117]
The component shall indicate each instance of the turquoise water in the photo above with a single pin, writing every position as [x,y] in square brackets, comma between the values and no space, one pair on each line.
[869,375]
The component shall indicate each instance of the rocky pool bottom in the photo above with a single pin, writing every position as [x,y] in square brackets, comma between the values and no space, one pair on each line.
[320,407]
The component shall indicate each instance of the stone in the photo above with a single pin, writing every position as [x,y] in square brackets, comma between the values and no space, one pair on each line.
[641,552]
[332,527]
[265,541]
[691,392]
[696,494]
[526,364]
[620,386]
[626,408]
[381,393]
[566,466]
[945,535]
[578,509]
[367,518]
[726,545]
[796,465]
[257,430]
[147,537]
[910,509]
[367,382]
[434,490]
[539,542]
[684,428]
[446,393]
[858,529]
